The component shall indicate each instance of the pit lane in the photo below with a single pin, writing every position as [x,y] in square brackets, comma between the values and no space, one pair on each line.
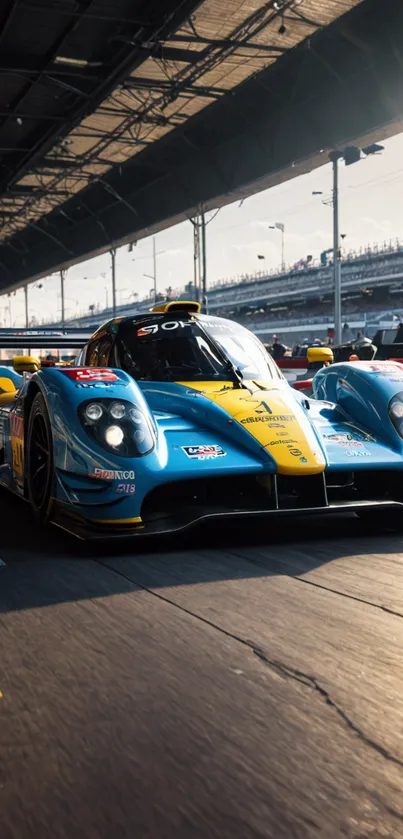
[230,684]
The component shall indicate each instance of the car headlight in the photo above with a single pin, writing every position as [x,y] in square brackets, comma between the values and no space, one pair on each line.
[117,426]
[117,410]
[93,412]
[396,412]
[114,436]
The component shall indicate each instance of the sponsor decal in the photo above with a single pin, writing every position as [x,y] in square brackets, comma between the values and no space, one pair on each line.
[17,427]
[17,443]
[343,439]
[113,474]
[355,453]
[262,408]
[385,367]
[167,326]
[90,374]
[281,433]
[126,489]
[349,437]
[170,325]
[217,325]
[291,446]
[303,459]
[351,443]
[203,452]
[103,385]
[270,419]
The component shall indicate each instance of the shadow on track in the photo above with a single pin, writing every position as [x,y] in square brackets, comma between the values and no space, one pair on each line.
[45,566]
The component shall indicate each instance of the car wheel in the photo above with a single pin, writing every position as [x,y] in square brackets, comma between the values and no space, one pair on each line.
[39,454]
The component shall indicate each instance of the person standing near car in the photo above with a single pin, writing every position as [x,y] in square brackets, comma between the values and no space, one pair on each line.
[278,349]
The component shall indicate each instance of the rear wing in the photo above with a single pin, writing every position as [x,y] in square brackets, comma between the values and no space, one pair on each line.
[44,339]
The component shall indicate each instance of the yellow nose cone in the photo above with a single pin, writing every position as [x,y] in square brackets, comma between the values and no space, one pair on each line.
[275,419]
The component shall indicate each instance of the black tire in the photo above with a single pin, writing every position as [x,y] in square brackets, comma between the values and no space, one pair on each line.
[39,460]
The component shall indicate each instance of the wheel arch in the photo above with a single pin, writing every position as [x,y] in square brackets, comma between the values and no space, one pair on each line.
[33,389]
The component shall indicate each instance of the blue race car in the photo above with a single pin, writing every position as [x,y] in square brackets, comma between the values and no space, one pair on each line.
[172,417]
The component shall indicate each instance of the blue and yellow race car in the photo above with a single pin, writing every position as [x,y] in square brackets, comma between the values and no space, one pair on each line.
[173,417]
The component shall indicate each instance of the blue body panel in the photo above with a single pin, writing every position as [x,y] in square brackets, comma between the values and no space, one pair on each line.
[349,415]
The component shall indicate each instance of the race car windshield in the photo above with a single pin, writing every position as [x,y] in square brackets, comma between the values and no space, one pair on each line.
[240,346]
[188,350]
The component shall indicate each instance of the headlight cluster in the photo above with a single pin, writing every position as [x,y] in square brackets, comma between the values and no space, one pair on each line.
[117,426]
[396,412]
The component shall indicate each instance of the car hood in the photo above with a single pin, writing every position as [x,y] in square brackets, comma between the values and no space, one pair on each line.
[269,413]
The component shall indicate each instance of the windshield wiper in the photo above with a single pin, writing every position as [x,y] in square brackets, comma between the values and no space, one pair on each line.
[230,368]
[236,375]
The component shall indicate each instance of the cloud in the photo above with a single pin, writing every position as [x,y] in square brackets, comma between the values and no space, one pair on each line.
[376,228]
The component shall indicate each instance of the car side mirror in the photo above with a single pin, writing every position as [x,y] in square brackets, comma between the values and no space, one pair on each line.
[26,364]
[319,355]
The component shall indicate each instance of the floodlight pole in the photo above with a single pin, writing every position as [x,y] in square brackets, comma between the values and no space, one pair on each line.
[155,270]
[196,254]
[62,278]
[282,230]
[26,307]
[334,157]
[113,264]
[204,302]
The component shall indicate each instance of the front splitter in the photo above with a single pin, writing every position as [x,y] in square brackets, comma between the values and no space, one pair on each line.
[90,530]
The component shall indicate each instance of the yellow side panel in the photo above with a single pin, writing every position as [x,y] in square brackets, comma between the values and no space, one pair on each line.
[6,385]
[274,418]
[8,398]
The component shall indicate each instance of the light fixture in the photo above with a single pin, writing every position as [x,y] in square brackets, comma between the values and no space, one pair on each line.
[115,426]
[94,411]
[396,412]
[76,62]
[136,416]
[397,409]
[374,148]
[117,410]
[114,436]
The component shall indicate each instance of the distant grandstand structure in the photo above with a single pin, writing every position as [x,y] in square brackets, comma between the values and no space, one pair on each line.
[298,304]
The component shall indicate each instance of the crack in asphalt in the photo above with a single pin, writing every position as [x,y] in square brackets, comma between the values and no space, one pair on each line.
[278,667]
[313,683]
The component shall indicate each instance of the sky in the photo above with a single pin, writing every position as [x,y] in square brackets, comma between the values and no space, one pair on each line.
[371,211]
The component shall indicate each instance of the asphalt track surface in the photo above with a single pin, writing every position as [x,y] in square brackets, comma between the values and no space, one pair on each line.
[236,685]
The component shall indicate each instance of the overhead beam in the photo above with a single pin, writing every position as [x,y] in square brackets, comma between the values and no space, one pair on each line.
[28,189]
[175,15]
[227,43]
[164,52]
[34,117]
[166,85]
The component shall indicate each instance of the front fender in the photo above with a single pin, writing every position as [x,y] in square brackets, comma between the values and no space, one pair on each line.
[363,391]
[78,460]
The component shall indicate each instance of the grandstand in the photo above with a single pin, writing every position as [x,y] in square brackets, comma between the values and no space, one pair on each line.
[298,304]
